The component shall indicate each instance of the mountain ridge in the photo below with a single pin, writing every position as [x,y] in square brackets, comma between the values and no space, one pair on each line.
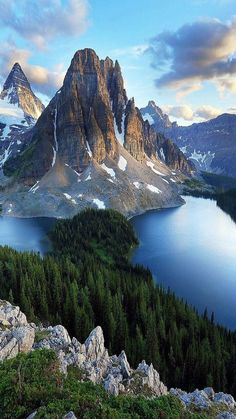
[210,145]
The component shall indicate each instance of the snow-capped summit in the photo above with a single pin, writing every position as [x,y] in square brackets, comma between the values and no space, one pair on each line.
[19,110]
[17,91]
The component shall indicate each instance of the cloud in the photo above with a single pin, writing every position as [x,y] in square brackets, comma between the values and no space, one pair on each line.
[185,112]
[226,84]
[207,112]
[135,50]
[42,79]
[41,21]
[203,50]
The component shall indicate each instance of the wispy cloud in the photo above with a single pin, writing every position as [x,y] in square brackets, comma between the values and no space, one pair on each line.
[203,50]
[41,21]
[134,51]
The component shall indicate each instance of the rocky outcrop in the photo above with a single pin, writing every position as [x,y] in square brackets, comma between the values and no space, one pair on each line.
[16,335]
[113,372]
[206,399]
[96,365]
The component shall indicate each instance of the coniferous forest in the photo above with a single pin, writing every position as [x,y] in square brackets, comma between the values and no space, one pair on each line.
[87,280]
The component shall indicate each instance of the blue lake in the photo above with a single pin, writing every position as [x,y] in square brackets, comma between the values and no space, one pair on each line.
[192,250]
[26,233]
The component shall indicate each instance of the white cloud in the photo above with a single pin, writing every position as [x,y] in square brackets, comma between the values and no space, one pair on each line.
[41,21]
[187,113]
[207,112]
[182,111]
[135,50]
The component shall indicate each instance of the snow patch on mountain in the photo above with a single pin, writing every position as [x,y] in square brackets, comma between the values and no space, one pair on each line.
[149,118]
[151,165]
[153,189]
[136,184]
[122,163]
[110,171]
[100,204]
[120,136]
[69,197]
[89,150]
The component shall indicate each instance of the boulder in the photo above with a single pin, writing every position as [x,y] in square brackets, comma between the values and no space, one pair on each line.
[125,367]
[151,378]
[69,415]
[226,399]
[11,315]
[226,415]
[94,345]
[15,340]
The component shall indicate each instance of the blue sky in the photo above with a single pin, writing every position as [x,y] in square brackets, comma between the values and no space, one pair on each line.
[180,53]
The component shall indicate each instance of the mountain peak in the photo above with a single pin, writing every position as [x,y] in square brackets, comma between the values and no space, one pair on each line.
[17,91]
[152,103]
[17,66]
[15,79]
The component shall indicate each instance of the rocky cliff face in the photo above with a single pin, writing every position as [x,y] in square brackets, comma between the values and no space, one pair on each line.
[96,365]
[134,131]
[210,145]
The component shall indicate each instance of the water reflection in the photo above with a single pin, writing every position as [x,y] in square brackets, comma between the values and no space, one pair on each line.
[192,249]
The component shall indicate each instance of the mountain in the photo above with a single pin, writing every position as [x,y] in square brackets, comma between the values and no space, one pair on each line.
[211,145]
[91,146]
[17,91]
[19,109]
[155,116]
[159,125]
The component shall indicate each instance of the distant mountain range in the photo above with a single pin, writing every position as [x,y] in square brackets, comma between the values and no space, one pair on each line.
[89,147]
[210,145]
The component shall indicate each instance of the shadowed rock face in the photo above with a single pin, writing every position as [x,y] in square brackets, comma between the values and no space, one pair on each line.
[19,92]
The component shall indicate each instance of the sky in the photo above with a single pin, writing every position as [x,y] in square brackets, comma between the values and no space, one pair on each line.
[179,53]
